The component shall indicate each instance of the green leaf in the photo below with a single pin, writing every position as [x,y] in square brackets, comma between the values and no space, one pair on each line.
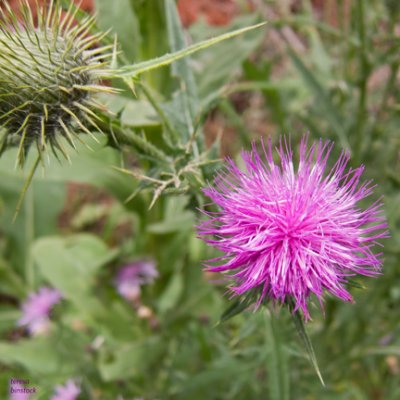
[139,114]
[130,359]
[70,264]
[322,98]
[177,217]
[234,309]
[173,224]
[216,70]
[10,282]
[383,351]
[119,17]
[36,355]
[38,216]
[151,16]
[220,376]
[187,96]
[172,293]
[301,330]
[355,284]
[135,70]
[91,164]
[8,318]
[238,305]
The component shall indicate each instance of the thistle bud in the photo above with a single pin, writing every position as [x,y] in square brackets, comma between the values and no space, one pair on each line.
[50,71]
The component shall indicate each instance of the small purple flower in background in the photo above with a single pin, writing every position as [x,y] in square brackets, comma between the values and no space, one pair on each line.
[70,391]
[132,276]
[287,233]
[36,310]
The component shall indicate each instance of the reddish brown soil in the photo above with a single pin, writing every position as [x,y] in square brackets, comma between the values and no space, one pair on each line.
[86,5]
[216,12]
[221,12]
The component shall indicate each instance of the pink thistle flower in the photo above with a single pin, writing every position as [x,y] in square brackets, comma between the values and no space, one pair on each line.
[36,310]
[132,276]
[70,391]
[287,233]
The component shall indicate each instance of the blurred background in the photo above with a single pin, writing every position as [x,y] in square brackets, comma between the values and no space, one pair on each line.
[330,68]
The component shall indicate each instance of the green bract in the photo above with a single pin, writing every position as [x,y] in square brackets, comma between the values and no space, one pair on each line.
[49,72]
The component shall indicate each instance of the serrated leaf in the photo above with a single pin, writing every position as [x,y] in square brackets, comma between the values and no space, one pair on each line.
[133,71]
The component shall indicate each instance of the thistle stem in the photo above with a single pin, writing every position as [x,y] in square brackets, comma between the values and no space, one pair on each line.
[364,74]
[173,134]
[129,138]
[277,360]
[26,187]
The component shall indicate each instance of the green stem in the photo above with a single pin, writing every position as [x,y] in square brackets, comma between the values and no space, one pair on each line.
[233,117]
[29,221]
[277,360]
[123,136]
[364,74]
[390,85]
[26,187]
[173,134]
[387,92]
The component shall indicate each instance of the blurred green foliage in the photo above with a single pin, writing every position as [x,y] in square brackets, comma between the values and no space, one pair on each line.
[342,83]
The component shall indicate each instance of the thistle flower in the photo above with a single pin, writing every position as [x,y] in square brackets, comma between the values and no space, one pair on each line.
[132,276]
[70,391]
[287,233]
[36,310]
[49,74]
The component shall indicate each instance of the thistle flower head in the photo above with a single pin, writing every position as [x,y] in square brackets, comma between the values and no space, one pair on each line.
[36,310]
[70,391]
[132,276]
[286,232]
[49,72]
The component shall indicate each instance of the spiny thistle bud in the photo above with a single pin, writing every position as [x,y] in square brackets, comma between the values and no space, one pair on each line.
[50,70]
